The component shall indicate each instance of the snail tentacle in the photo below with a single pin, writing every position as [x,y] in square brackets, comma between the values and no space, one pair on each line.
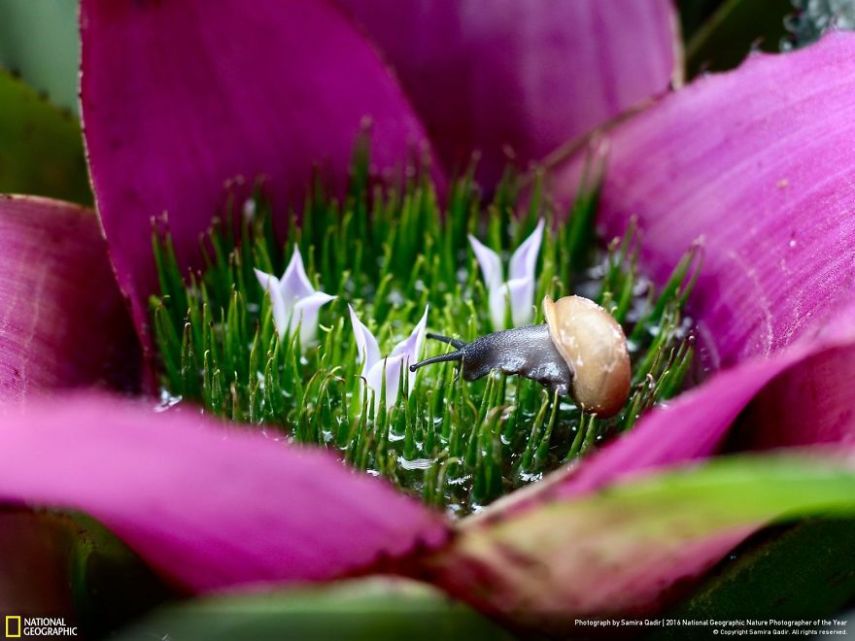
[442,358]
[454,342]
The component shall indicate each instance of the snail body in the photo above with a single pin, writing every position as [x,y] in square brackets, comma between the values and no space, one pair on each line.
[580,351]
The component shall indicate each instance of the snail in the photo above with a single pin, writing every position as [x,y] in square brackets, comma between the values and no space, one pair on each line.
[580,351]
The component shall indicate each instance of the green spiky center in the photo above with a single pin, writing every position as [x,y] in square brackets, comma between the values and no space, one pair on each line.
[389,251]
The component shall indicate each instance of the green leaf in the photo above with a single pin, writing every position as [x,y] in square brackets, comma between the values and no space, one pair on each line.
[39,41]
[109,583]
[806,571]
[61,564]
[41,149]
[730,33]
[621,550]
[369,609]
[693,14]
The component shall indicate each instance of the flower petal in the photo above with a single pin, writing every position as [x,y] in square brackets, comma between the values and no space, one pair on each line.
[763,177]
[493,274]
[295,284]
[391,365]
[208,506]
[500,74]
[63,322]
[520,293]
[411,347]
[177,99]
[490,263]
[367,349]
[524,260]
[273,287]
[306,315]
[499,303]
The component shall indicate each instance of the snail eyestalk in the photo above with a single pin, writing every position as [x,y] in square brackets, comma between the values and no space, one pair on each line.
[580,352]
[454,342]
[442,358]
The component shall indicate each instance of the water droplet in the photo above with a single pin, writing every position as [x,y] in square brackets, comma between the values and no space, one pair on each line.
[416,464]
[527,477]
[249,209]
[167,401]
[395,298]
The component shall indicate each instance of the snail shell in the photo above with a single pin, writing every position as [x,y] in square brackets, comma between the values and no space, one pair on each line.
[593,345]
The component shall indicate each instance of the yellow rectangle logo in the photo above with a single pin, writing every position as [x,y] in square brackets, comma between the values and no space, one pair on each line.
[13,627]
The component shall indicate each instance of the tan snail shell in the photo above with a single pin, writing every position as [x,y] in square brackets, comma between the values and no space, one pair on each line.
[593,344]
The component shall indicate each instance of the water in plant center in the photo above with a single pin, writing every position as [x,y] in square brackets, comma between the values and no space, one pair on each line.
[390,251]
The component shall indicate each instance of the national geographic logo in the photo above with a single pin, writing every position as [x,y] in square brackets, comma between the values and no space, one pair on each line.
[18,627]
[13,627]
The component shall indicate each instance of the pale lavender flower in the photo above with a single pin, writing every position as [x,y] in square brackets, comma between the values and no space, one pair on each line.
[518,291]
[373,365]
[294,300]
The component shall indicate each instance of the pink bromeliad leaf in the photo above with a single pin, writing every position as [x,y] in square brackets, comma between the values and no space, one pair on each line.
[612,553]
[755,165]
[695,425]
[63,322]
[205,504]
[178,98]
[519,79]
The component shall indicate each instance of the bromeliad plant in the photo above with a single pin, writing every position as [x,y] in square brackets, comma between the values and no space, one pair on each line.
[181,99]
[393,254]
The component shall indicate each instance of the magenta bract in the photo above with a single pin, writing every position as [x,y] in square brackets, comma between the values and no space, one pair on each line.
[178,99]
[208,506]
[516,80]
[63,322]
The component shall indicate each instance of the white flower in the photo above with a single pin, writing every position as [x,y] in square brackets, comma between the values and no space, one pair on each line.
[405,353]
[518,290]
[294,300]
